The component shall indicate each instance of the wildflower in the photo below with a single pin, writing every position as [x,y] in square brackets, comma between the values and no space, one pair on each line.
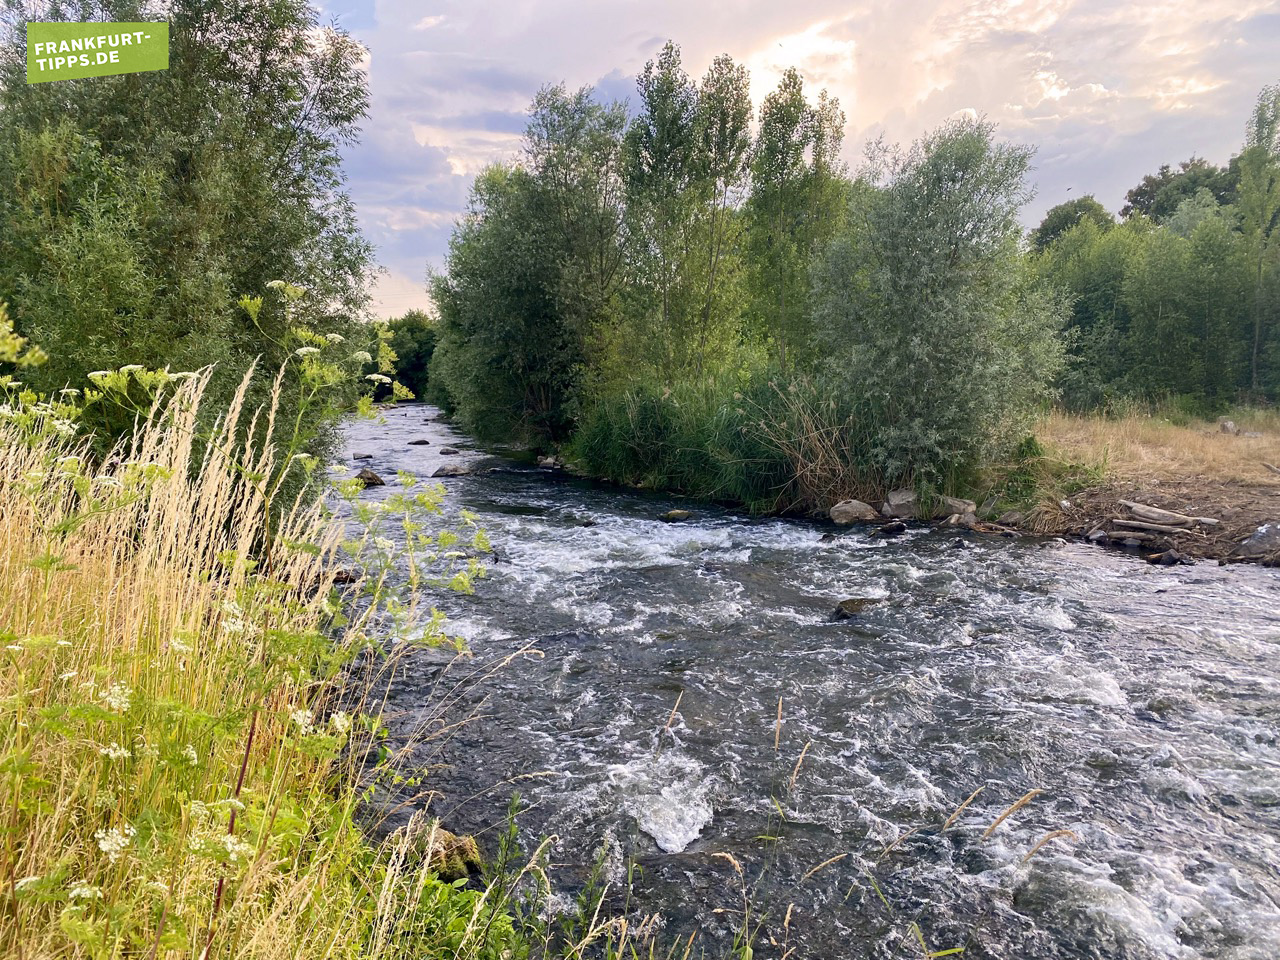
[382,543]
[27,882]
[117,697]
[69,675]
[85,891]
[178,646]
[335,338]
[237,849]
[115,752]
[304,719]
[115,841]
[97,374]
[377,378]
[362,356]
[131,368]
[189,753]
[341,722]
[305,351]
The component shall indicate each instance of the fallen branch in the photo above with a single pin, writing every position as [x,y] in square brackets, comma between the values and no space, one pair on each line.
[1271,466]
[1155,515]
[1153,527]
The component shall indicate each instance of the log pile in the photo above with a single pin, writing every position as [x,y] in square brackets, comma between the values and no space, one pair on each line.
[1140,524]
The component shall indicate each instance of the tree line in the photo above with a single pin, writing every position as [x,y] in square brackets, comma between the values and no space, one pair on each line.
[702,296]
[1180,298]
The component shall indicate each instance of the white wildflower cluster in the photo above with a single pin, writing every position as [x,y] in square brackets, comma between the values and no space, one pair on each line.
[233,620]
[377,378]
[304,719]
[114,751]
[115,841]
[189,754]
[384,544]
[335,338]
[341,722]
[117,697]
[362,356]
[180,647]
[85,891]
[306,351]
[26,882]
[238,851]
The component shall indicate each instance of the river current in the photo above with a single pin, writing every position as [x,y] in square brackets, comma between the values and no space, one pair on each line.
[640,722]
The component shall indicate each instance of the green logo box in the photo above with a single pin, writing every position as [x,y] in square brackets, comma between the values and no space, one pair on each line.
[69,51]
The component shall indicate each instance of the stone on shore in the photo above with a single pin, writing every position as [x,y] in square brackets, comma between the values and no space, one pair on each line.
[851,511]
[1262,544]
[900,504]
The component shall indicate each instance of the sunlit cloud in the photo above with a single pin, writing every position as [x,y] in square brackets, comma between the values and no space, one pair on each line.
[1105,90]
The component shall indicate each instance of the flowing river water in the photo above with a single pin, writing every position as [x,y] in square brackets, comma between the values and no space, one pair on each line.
[1144,702]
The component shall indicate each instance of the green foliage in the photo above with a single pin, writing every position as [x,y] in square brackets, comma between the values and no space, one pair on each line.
[136,211]
[1064,216]
[1161,193]
[926,309]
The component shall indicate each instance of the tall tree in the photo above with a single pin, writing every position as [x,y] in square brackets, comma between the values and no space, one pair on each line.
[136,210]
[928,314]
[1159,194]
[795,176]
[1066,215]
[1259,208]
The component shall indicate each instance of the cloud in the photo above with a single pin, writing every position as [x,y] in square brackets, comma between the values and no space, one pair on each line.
[1106,91]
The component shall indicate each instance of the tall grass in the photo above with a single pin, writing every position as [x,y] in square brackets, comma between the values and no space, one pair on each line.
[772,446]
[175,777]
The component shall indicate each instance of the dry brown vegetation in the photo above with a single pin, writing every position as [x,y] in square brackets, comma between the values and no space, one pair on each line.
[1142,449]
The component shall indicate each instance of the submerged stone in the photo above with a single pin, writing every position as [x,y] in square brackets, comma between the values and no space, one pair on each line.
[848,609]
[451,470]
[370,479]
[675,516]
[419,443]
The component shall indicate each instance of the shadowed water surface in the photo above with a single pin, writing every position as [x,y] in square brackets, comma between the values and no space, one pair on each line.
[1143,702]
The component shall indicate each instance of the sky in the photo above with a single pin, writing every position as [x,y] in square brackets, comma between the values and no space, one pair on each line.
[1106,91]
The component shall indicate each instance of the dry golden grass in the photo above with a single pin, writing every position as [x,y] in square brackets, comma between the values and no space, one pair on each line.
[1144,448]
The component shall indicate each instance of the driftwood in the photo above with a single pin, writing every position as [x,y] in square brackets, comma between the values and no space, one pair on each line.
[1155,515]
[1271,466]
[1153,527]
[1134,535]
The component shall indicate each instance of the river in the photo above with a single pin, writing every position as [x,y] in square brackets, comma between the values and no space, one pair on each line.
[643,720]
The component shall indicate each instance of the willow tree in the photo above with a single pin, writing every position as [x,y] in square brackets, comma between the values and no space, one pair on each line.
[930,318]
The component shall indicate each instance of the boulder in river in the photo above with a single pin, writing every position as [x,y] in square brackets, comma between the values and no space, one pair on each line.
[675,516]
[419,442]
[900,504]
[892,528]
[362,456]
[851,511]
[952,505]
[451,470]
[549,463]
[1169,558]
[850,608]
[448,451]
[370,479]
[1263,544]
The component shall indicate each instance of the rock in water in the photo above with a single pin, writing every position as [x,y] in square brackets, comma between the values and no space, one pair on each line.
[851,511]
[900,504]
[451,470]
[550,463]
[362,456]
[370,479]
[447,451]
[419,443]
[1170,558]
[953,505]
[848,609]
[892,528]
[675,516]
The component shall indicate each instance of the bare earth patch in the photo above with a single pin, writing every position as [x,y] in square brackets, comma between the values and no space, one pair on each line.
[1196,469]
